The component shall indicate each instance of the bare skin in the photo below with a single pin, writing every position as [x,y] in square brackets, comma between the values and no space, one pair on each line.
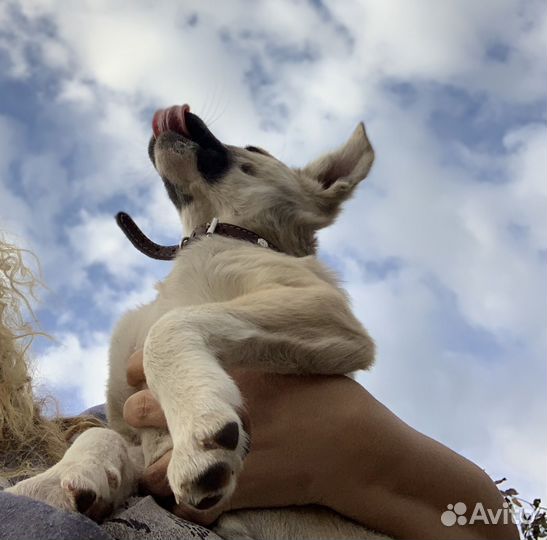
[326,440]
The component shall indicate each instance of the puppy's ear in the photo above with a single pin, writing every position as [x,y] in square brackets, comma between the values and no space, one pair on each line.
[338,172]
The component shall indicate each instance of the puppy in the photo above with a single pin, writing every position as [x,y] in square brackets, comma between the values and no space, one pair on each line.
[245,290]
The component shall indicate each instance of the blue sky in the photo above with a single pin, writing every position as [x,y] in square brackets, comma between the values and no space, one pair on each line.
[443,250]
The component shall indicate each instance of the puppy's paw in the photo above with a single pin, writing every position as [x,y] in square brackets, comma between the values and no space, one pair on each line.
[205,465]
[94,477]
[92,495]
[83,487]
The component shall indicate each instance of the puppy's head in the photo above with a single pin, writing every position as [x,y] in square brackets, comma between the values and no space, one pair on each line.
[248,186]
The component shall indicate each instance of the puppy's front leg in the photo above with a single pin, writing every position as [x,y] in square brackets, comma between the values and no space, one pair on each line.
[201,404]
[283,330]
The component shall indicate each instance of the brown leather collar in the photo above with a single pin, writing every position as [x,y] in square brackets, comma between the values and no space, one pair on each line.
[168,253]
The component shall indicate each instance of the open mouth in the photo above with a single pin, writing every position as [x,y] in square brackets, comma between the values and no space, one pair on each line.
[171,119]
[171,125]
[179,121]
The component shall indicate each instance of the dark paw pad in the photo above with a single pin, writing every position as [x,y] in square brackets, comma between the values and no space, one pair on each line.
[84,498]
[166,501]
[227,437]
[214,478]
[100,510]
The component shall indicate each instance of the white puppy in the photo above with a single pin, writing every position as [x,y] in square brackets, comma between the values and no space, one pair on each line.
[248,293]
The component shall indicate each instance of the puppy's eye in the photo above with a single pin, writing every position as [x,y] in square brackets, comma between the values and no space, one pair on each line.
[247,168]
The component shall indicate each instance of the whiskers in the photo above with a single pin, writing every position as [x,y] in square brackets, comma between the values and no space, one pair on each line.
[215,105]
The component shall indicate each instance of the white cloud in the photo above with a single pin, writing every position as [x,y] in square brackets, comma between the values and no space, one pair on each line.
[76,366]
[94,243]
[15,213]
[77,92]
[114,302]
[447,42]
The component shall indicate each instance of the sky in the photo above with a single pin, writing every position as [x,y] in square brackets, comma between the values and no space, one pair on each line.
[443,249]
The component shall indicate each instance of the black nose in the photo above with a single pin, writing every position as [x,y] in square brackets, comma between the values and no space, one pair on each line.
[201,134]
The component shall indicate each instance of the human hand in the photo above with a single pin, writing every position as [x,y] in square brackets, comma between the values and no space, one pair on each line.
[326,440]
[296,426]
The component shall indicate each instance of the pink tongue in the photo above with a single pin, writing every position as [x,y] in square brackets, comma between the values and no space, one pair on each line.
[171,119]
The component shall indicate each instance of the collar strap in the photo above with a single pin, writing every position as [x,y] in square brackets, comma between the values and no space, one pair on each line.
[167,253]
[142,242]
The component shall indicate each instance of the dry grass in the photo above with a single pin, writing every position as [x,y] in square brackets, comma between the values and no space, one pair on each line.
[29,441]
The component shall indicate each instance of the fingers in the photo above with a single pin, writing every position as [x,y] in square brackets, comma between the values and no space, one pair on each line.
[135,369]
[142,410]
[154,479]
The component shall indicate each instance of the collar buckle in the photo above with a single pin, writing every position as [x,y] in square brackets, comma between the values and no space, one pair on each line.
[212,227]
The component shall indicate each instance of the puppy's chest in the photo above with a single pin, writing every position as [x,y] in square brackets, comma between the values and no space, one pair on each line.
[204,275]
[216,271]
[188,286]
